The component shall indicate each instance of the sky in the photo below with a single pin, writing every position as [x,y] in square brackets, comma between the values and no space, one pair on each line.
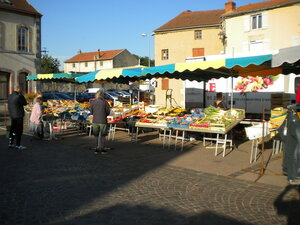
[89,25]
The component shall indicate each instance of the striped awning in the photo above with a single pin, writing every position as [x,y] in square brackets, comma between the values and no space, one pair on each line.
[53,76]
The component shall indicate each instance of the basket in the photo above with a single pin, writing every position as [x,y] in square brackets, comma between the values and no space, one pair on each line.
[277,121]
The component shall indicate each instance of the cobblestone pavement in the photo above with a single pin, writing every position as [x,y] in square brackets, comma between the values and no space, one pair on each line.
[62,182]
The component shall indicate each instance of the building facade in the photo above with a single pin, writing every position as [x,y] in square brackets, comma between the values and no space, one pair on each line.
[261,28]
[20,45]
[85,62]
[190,34]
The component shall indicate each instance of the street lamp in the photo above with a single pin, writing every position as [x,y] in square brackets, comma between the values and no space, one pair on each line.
[148,35]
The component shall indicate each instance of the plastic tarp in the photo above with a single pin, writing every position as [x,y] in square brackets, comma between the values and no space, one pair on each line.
[53,76]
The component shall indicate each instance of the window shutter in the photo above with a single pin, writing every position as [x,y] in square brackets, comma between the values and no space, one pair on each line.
[246,23]
[265,20]
[245,46]
[30,39]
[164,84]
[267,44]
[198,52]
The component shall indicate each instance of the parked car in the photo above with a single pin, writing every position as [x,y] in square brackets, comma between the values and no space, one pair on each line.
[124,94]
[55,96]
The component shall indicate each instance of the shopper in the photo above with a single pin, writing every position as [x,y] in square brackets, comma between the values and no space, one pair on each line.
[100,110]
[16,103]
[219,103]
[36,123]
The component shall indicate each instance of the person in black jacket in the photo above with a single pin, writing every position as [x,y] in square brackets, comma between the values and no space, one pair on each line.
[100,110]
[16,103]
[219,103]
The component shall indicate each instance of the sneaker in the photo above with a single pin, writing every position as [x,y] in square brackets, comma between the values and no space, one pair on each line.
[20,147]
[11,146]
[103,152]
[97,151]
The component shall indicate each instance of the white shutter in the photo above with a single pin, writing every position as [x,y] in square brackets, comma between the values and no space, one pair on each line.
[267,45]
[246,23]
[245,46]
[265,20]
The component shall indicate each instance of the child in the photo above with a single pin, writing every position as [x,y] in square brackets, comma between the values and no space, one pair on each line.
[36,124]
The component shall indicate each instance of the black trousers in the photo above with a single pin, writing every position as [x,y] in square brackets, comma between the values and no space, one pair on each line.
[16,131]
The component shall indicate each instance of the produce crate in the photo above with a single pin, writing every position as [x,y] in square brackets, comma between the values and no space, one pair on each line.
[218,127]
[256,131]
[280,100]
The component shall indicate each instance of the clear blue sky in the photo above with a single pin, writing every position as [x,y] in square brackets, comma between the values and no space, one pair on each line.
[70,25]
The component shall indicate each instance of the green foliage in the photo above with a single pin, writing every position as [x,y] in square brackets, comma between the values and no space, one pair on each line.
[144,60]
[50,64]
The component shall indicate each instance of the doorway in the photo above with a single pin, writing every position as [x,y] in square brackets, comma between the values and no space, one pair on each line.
[4,85]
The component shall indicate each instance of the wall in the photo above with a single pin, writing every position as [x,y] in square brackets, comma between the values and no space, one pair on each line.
[125,59]
[10,59]
[281,29]
[180,45]
[81,68]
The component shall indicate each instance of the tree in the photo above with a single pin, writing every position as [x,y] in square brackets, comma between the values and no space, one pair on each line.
[50,64]
[144,60]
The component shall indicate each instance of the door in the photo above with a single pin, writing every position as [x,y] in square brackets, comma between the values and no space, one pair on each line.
[22,82]
[4,85]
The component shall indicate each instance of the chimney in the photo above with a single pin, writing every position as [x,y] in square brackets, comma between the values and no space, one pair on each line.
[79,51]
[230,6]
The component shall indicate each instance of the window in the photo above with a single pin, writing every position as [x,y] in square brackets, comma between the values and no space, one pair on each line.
[73,65]
[164,54]
[198,34]
[256,21]
[101,63]
[256,46]
[86,64]
[23,39]
[198,52]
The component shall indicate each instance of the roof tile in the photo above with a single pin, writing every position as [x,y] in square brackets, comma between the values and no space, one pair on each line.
[20,6]
[193,19]
[90,56]
[259,5]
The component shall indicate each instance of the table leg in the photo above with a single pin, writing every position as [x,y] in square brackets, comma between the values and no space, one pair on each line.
[183,134]
[114,131]
[224,147]
[217,143]
[176,137]
[136,134]
[170,135]
[164,138]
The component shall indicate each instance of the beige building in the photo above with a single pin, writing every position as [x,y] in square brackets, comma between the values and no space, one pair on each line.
[85,62]
[261,28]
[190,34]
[20,45]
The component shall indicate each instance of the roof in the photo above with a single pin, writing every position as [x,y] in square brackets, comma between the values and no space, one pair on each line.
[90,56]
[188,19]
[21,6]
[261,6]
